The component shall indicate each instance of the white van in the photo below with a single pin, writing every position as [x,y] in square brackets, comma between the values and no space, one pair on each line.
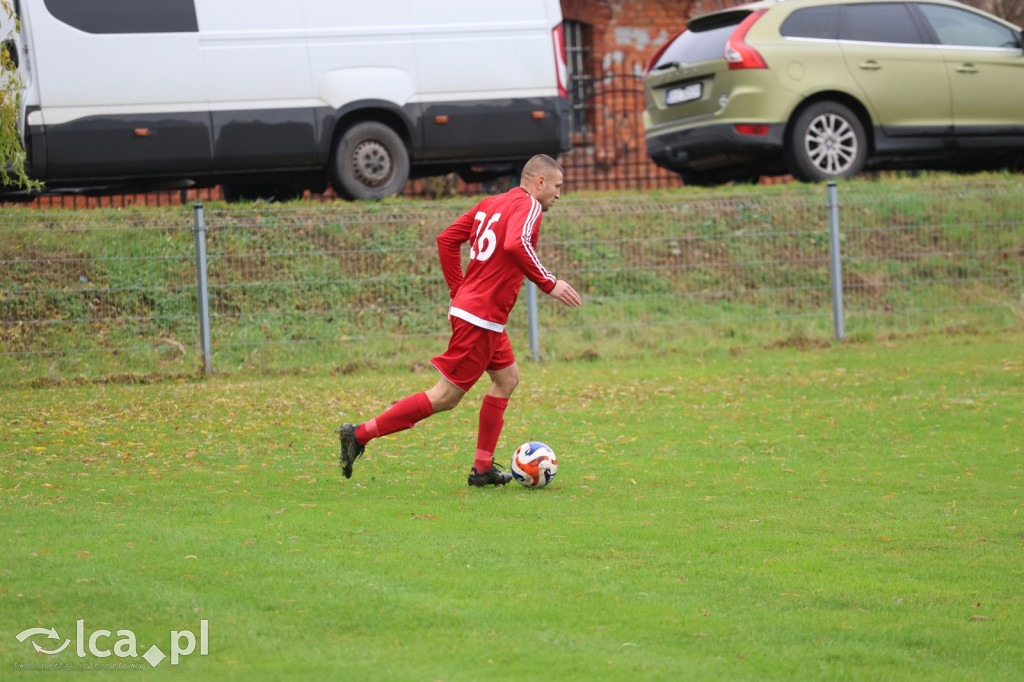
[269,98]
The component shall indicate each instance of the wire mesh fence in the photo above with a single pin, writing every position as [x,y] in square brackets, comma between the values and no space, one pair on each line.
[108,293]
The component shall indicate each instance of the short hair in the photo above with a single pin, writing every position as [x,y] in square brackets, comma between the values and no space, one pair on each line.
[541,164]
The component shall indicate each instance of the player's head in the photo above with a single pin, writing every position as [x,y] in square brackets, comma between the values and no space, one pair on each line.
[542,178]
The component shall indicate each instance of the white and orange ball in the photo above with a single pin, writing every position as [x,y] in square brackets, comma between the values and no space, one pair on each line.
[534,464]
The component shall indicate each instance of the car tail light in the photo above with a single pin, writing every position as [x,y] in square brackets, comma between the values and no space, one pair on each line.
[561,70]
[738,53]
[661,51]
[757,129]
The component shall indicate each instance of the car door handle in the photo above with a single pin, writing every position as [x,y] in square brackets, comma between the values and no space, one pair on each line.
[870,65]
[967,68]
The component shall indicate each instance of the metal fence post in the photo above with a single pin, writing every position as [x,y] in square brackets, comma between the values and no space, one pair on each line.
[202,287]
[531,315]
[835,261]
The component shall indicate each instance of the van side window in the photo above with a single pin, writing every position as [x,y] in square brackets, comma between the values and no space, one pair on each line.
[118,16]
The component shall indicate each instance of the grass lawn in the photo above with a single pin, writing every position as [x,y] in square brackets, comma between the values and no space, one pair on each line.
[847,512]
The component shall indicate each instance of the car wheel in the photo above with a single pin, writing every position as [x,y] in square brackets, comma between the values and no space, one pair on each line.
[370,162]
[826,141]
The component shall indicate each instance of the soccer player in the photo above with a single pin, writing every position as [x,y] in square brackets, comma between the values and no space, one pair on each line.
[502,232]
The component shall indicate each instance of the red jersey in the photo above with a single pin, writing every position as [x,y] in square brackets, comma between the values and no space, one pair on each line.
[502,232]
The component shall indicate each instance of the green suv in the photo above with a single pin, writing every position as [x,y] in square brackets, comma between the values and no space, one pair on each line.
[824,89]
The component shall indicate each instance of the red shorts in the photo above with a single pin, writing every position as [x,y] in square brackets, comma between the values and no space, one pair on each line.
[472,351]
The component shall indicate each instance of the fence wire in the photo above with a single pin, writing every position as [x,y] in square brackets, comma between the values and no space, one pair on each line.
[112,293]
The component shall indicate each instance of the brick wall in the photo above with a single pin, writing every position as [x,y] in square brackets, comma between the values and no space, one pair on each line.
[612,153]
[628,30]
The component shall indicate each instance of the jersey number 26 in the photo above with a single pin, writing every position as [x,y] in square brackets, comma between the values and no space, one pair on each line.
[484,240]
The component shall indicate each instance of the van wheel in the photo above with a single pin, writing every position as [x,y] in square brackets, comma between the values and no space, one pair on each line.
[370,162]
[826,141]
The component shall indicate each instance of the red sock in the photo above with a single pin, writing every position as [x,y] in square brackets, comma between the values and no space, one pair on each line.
[402,415]
[492,419]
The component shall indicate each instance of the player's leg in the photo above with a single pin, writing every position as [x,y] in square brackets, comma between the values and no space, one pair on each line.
[444,395]
[466,358]
[492,414]
[403,415]
[504,374]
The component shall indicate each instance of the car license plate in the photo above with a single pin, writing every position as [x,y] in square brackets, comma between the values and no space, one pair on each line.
[686,93]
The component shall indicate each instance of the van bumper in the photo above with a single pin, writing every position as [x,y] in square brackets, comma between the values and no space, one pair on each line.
[492,130]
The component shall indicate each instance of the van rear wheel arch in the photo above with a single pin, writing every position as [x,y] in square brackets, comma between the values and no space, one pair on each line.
[370,160]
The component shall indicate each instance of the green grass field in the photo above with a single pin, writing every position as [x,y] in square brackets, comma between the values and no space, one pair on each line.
[839,512]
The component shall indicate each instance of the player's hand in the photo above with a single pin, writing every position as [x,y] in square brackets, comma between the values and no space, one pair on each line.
[564,292]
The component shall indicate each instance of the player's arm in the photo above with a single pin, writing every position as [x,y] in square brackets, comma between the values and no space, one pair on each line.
[522,223]
[563,291]
[519,246]
[449,249]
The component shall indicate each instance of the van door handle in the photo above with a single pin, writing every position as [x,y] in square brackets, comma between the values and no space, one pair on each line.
[870,65]
[967,68]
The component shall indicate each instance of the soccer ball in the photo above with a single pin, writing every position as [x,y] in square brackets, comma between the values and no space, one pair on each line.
[534,464]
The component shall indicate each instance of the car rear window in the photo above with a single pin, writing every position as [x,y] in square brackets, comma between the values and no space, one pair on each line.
[703,40]
[812,22]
